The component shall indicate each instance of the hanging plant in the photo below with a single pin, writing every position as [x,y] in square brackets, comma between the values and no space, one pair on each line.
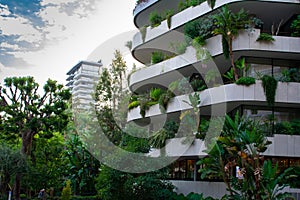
[168,16]
[211,3]
[269,84]
[143,32]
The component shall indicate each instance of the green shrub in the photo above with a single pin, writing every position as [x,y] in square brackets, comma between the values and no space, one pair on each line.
[199,40]
[66,192]
[198,85]
[295,123]
[180,47]
[155,93]
[290,75]
[295,27]
[157,57]
[265,37]
[155,19]
[195,2]
[200,27]
[283,128]
[182,5]
[245,81]
[23,196]
[229,75]
[85,198]
[133,104]
[164,100]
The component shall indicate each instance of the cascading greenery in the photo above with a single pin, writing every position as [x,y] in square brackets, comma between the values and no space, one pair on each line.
[269,84]
[143,31]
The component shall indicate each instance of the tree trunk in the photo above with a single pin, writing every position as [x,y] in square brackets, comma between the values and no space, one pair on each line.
[236,75]
[4,183]
[27,136]
[17,187]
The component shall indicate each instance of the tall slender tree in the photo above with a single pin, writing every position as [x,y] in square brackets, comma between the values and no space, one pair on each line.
[228,25]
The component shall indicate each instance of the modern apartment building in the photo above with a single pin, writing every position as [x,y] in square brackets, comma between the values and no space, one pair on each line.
[277,57]
[82,80]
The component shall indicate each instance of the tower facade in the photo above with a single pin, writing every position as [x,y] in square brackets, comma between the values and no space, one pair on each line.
[82,81]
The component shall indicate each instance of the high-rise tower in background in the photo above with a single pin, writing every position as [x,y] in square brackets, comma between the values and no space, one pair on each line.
[82,81]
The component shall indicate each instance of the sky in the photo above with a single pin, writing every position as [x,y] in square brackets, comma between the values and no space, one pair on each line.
[45,38]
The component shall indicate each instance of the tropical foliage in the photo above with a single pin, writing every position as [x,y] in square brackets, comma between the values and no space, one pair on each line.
[236,158]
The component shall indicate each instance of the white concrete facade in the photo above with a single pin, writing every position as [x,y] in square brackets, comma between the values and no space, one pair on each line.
[82,79]
[226,97]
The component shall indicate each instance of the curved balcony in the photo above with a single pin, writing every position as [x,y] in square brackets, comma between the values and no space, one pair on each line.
[141,11]
[244,45]
[226,98]
[161,36]
[90,75]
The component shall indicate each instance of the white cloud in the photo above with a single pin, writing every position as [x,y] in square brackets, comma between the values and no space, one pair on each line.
[10,46]
[4,10]
[55,2]
[70,39]
[19,26]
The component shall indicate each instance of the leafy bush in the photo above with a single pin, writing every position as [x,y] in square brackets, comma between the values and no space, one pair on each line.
[66,192]
[295,27]
[290,75]
[133,104]
[199,28]
[288,128]
[155,93]
[85,198]
[23,196]
[155,19]
[195,2]
[198,85]
[199,40]
[180,47]
[283,128]
[245,81]
[265,37]
[182,5]
[157,57]
[229,75]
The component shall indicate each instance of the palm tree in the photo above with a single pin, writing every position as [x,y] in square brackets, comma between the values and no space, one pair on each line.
[228,24]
